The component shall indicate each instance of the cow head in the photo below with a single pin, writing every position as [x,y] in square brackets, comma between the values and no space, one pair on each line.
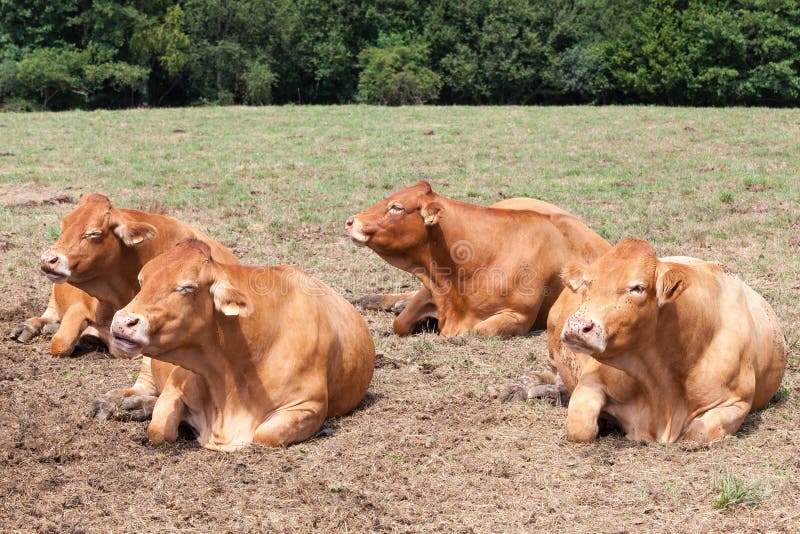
[92,238]
[621,294]
[181,291]
[397,223]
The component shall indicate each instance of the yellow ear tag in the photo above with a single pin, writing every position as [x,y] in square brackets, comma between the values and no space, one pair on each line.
[231,309]
[136,240]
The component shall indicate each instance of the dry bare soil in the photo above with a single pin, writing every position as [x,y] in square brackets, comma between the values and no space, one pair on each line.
[431,448]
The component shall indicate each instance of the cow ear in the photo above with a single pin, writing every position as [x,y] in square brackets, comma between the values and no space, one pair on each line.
[670,284]
[131,232]
[572,275]
[431,212]
[230,301]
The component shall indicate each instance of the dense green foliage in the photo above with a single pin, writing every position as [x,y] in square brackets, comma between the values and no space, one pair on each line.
[117,53]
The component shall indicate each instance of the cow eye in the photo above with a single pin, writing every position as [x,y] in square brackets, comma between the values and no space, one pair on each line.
[186,290]
[94,234]
[396,208]
[638,289]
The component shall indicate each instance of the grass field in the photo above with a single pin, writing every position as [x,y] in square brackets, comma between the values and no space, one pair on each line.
[431,449]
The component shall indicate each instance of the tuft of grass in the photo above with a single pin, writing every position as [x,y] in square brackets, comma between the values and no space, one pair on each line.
[423,346]
[726,197]
[734,491]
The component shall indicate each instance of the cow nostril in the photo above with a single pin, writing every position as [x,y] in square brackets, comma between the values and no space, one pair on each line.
[52,260]
[349,222]
[133,321]
[587,328]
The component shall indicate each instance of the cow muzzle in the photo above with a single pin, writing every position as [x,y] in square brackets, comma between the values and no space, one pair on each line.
[55,267]
[583,334]
[129,333]
[355,230]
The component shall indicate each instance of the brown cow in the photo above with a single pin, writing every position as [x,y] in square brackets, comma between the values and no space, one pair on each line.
[277,349]
[488,270]
[101,251]
[70,316]
[670,349]
[414,308]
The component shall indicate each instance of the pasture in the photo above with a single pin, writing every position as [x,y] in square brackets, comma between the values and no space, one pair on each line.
[431,448]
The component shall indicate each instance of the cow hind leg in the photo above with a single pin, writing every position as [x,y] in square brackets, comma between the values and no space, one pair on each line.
[504,324]
[393,302]
[546,386]
[109,406]
[716,423]
[292,425]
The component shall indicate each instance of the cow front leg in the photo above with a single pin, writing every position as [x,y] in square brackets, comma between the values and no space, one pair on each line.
[716,423]
[291,425]
[75,320]
[183,392]
[419,308]
[168,412]
[583,412]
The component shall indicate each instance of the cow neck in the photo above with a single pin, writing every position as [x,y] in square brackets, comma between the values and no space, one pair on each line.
[222,358]
[116,291]
[662,389]
[120,288]
[458,245]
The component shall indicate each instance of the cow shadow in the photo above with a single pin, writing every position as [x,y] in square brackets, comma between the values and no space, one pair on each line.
[753,421]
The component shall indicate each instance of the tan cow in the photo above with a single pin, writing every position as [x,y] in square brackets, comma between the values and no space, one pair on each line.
[415,307]
[101,251]
[670,349]
[488,270]
[70,316]
[278,350]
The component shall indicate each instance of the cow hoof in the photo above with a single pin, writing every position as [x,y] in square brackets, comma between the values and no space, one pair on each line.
[50,328]
[399,306]
[23,333]
[102,408]
[137,407]
[533,386]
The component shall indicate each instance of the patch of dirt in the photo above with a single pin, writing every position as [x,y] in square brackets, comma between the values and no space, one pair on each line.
[31,195]
[757,188]
[428,436]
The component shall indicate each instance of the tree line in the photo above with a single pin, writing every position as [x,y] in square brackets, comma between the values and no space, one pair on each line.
[111,54]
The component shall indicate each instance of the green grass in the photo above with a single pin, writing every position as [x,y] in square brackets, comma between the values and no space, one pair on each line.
[735,492]
[276,183]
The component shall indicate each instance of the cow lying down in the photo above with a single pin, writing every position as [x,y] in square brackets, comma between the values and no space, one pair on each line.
[491,271]
[278,351]
[672,348]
